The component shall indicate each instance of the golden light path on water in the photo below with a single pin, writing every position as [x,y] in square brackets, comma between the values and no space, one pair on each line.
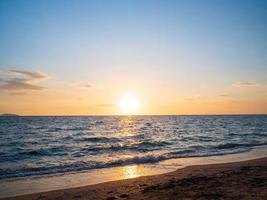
[132,171]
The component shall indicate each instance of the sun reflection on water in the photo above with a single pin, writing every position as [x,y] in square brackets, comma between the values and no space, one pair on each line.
[128,126]
[131,171]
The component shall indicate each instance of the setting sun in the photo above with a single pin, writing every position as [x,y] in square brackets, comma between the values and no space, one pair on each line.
[129,104]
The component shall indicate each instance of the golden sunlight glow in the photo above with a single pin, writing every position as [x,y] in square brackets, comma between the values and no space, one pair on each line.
[131,171]
[129,104]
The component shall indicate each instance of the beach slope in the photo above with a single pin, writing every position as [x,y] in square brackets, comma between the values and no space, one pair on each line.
[238,180]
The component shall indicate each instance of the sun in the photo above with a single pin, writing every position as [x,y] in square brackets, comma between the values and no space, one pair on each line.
[129,104]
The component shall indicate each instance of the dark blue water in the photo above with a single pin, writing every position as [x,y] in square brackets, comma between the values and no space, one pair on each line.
[47,145]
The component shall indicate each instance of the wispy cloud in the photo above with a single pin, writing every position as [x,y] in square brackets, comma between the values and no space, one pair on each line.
[17,93]
[29,75]
[246,84]
[22,80]
[86,86]
[19,84]
[224,95]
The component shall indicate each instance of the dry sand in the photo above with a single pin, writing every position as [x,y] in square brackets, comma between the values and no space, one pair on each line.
[238,180]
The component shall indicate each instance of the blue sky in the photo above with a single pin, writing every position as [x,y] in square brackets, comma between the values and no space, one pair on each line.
[193,43]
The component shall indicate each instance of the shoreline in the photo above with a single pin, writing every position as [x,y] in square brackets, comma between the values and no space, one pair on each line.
[245,179]
[90,178]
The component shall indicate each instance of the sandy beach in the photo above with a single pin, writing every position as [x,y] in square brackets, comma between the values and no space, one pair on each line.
[238,180]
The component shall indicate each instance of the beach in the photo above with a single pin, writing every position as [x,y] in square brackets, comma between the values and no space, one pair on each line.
[237,180]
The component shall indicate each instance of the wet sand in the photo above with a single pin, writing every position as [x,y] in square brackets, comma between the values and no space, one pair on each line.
[238,180]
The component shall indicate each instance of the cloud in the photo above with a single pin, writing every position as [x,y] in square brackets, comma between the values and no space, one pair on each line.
[246,84]
[17,93]
[86,86]
[19,84]
[224,95]
[26,81]
[29,75]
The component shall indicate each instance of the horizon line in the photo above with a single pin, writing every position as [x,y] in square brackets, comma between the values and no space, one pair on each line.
[120,115]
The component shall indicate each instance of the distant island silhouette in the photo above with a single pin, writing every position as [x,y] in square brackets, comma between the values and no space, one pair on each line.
[9,115]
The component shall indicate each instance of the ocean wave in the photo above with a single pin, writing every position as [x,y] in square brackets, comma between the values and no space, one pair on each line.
[143,145]
[237,145]
[80,166]
[58,150]
[98,139]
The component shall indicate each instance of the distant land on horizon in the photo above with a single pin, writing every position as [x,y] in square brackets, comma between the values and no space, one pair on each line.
[9,115]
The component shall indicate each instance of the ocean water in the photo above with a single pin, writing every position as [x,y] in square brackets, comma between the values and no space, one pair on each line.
[33,146]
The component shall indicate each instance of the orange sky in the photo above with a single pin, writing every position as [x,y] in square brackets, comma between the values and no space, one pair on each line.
[155,98]
[175,57]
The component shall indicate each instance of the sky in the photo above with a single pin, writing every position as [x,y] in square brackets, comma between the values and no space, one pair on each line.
[63,57]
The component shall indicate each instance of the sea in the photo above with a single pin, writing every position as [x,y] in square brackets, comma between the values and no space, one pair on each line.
[47,145]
